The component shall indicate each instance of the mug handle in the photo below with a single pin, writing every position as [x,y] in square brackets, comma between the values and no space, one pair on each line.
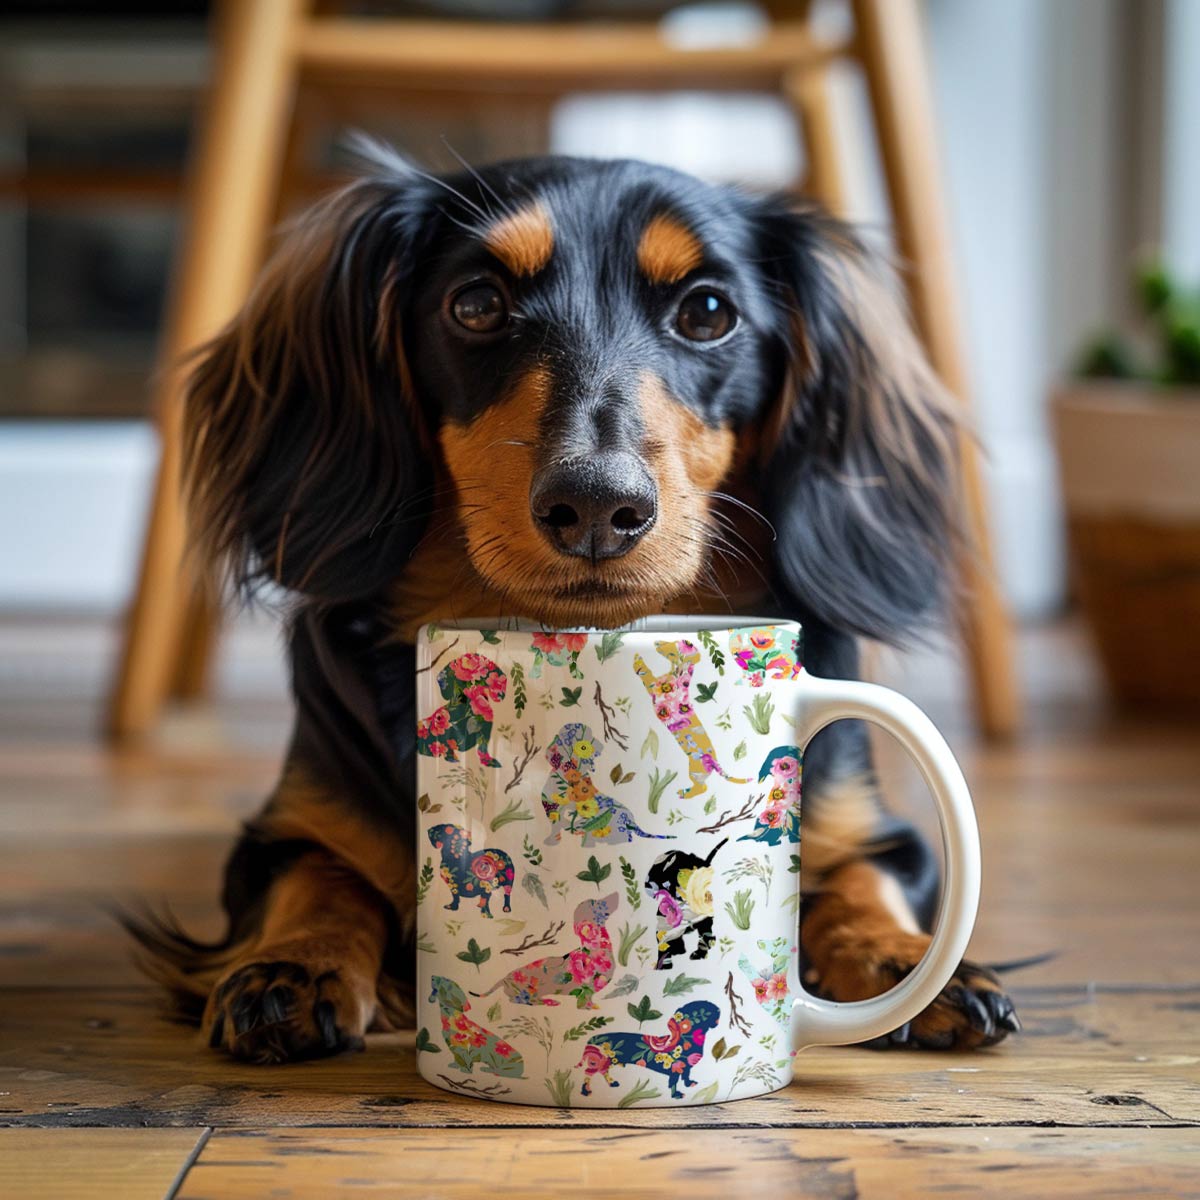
[817,1022]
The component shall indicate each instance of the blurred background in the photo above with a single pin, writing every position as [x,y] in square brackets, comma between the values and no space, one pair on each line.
[1067,140]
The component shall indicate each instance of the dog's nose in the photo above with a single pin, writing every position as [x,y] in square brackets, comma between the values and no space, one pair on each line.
[597,507]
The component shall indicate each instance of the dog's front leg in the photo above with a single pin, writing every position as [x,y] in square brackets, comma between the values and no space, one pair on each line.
[305,986]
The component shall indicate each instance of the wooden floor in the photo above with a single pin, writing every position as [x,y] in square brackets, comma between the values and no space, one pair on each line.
[1091,831]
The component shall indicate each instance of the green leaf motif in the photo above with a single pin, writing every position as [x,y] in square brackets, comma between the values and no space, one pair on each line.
[794,869]
[714,651]
[642,1011]
[681,985]
[643,1091]
[512,811]
[659,783]
[560,1085]
[571,697]
[706,1095]
[516,675]
[759,713]
[426,1043]
[597,872]
[633,893]
[626,940]
[589,1026]
[474,953]
[532,854]
[705,692]
[493,1013]
[623,987]
[741,908]
[650,745]
[610,643]
[532,883]
[424,880]
[739,751]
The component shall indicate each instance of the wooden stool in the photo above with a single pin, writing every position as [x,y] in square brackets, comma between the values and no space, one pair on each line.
[251,144]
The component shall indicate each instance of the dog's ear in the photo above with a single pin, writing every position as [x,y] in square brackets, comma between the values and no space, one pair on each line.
[303,442]
[860,454]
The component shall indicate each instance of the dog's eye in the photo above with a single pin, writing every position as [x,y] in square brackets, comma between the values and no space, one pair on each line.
[705,316]
[481,308]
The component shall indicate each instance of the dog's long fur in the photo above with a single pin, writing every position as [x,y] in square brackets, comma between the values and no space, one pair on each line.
[349,439]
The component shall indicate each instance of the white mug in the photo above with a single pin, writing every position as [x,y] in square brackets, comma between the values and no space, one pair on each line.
[608,861]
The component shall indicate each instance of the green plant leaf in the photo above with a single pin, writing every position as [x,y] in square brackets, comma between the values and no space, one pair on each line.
[642,1011]
[426,1043]
[650,745]
[609,644]
[512,811]
[623,986]
[475,953]
[705,692]
[597,872]
[706,1095]
[560,1085]
[532,883]
[571,697]
[659,782]
[633,893]
[493,1013]
[644,1090]
[681,985]
[584,1027]
[739,751]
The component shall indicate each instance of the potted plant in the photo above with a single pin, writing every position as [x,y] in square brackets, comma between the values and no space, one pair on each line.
[1128,432]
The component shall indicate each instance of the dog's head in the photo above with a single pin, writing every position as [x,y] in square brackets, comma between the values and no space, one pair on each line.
[702,1014]
[559,366]
[574,748]
[446,993]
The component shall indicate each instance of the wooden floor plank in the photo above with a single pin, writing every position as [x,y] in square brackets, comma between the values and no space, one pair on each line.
[125,1164]
[699,1165]
[1087,1058]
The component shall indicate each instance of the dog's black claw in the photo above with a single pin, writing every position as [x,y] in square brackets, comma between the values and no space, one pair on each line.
[217,1036]
[978,1015]
[1006,1015]
[277,1003]
[246,1014]
[326,1019]
[899,1037]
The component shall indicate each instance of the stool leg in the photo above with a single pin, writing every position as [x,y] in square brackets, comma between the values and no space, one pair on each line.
[893,58]
[231,199]
[808,92]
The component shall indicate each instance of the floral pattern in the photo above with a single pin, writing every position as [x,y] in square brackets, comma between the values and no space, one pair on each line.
[571,800]
[772,650]
[582,973]
[471,686]
[779,817]
[674,1054]
[657,968]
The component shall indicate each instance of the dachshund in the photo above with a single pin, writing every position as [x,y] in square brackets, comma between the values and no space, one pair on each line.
[680,884]
[571,800]
[582,973]
[468,1042]
[470,685]
[472,873]
[671,695]
[581,392]
[673,1054]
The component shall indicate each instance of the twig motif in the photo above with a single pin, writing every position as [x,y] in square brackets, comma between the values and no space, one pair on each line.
[437,658]
[470,1088]
[531,748]
[528,942]
[607,713]
[728,818]
[736,1020]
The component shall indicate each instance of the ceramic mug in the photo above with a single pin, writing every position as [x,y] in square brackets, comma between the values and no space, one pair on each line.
[608,861]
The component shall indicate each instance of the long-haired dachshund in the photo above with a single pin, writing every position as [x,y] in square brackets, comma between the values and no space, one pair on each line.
[580,392]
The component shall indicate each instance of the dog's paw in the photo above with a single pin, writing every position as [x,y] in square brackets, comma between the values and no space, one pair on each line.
[972,1009]
[275,1010]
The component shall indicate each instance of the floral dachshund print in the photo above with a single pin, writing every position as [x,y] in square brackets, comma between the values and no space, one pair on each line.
[770,983]
[582,973]
[768,650]
[472,873]
[570,797]
[671,696]
[674,1054]
[681,885]
[468,1042]
[779,817]
[470,685]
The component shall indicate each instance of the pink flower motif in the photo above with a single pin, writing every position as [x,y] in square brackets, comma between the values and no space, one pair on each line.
[422,730]
[693,1059]
[437,749]
[439,722]
[586,931]
[481,704]
[575,641]
[760,989]
[698,1037]
[581,966]
[496,685]
[756,679]
[772,817]
[709,761]
[777,988]
[594,1059]
[484,867]
[469,666]
[668,906]
[667,1041]
[547,643]
[785,767]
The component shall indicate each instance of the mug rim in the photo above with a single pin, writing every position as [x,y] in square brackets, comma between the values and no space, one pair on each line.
[657,623]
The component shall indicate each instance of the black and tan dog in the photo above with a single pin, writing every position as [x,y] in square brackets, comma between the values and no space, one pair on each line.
[581,392]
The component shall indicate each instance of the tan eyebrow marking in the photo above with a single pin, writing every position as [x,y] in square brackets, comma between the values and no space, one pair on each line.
[668,250]
[523,241]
